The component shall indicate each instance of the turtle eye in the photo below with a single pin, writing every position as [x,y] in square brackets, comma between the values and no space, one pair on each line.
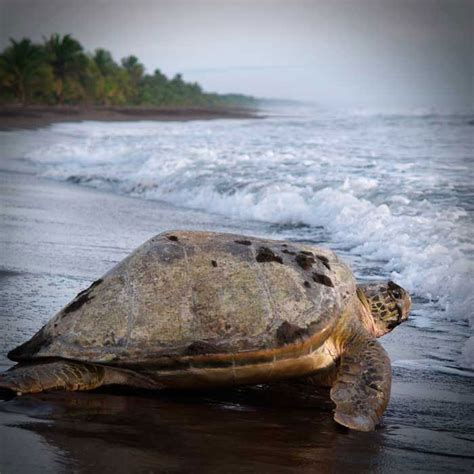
[394,290]
[396,294]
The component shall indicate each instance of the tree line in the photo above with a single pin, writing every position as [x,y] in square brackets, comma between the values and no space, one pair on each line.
[60,71]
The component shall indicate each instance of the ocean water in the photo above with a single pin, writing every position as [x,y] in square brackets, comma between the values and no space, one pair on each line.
[392,192]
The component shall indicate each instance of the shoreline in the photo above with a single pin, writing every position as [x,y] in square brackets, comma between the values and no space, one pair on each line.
[34,116]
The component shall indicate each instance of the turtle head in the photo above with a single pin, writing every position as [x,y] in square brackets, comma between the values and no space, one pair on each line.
[389,305]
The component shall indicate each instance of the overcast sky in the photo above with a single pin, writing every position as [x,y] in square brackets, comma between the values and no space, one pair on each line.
[415,53]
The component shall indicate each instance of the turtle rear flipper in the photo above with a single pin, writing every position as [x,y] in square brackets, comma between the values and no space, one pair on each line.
[362,387]
[67,375]
[59,375]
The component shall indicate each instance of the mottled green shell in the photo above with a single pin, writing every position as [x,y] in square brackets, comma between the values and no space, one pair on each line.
[186,293]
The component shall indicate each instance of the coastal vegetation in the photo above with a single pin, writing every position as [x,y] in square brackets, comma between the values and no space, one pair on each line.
[60,72]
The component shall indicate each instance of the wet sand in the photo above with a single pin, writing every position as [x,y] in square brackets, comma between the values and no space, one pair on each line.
[14,117]
[58,237]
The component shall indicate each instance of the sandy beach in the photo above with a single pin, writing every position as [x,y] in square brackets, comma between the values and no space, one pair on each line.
[33,116]
[58,237]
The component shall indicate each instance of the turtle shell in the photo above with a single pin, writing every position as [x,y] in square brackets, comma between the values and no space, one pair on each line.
[185,294]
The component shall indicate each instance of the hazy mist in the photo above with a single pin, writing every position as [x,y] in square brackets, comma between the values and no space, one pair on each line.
[376,53]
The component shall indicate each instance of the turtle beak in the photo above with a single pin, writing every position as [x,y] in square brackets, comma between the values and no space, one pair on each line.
[403,308]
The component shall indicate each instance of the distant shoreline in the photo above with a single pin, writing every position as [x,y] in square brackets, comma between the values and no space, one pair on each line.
[34,116]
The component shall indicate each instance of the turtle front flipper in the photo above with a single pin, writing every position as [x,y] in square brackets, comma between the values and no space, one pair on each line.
[58,375]
[362,388]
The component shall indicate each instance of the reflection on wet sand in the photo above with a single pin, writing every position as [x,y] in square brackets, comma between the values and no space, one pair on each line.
[268,428]
[259,429]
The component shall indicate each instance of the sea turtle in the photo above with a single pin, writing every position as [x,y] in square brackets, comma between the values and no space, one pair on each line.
[191,310]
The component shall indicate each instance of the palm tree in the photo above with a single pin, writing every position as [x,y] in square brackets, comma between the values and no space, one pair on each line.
[113,80]
[135,71]
[19,64]
[105,62]
[134,68]
[66,57]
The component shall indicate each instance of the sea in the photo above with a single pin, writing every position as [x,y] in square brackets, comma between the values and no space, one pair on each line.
[392,192]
